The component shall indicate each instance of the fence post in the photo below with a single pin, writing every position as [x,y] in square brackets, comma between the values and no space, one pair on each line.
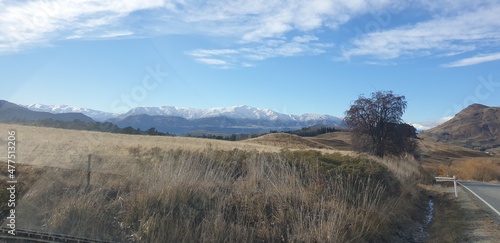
[454,179]
[455,185]
[88,171]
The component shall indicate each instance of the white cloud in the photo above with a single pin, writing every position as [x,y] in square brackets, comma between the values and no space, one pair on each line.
[282,47]
[205,53]
[431,124]
[31,23]
[23,24]
[117,34]
[465,31]
[213,61]
[474,60]
[259,29]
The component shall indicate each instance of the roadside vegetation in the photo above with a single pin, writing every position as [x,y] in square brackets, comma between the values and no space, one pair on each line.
[478,169]
[157,194]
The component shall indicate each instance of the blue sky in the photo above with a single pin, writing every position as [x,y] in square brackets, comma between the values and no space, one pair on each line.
[290,56]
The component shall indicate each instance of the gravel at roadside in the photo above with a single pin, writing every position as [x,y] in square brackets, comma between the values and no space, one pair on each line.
[481,226]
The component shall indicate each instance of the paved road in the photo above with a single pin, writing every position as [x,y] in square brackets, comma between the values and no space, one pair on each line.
[489,192]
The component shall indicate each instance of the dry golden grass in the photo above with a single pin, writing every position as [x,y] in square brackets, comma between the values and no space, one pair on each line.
[478,169]
[466,164]
[287,141]
[213,195]
[442,151]
[408,171]
[174,189]
[337,140]
[56,147]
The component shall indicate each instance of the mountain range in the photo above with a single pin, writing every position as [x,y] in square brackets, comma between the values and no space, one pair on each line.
[477,126]
[238,112]
[181,120]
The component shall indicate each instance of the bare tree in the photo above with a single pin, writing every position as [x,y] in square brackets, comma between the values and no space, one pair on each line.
[376,125]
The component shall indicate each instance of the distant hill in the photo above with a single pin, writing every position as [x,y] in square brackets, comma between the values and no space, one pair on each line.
[183,121]
[218,124]
[12,112]
[477,127]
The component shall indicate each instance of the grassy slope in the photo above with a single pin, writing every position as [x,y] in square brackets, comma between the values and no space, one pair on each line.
[466,164]
[185,189]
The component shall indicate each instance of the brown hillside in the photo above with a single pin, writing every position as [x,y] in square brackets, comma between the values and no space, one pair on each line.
[337,140]
[288,141]
[477,126]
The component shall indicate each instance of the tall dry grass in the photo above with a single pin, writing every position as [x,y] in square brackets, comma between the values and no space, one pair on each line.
[408,171]
[163,189]
[479,169]
[156,195]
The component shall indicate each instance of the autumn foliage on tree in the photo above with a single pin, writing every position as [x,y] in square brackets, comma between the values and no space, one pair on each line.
[376,125]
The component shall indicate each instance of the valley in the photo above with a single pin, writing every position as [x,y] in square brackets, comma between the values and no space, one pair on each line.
[149,188]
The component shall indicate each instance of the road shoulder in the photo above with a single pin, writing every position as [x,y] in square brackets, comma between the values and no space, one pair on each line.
[481,226]
[461,219]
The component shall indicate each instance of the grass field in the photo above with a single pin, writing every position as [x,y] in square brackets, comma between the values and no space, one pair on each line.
[278,187]
[466,164]
[150,189]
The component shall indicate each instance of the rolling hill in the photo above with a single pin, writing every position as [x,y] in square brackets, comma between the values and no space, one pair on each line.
[476,127]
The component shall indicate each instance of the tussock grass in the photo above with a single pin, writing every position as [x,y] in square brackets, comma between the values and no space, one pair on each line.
[211,196]
[407,170]
[164,189]
[479,169]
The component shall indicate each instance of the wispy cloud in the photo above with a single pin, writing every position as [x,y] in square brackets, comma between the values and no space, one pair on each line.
[213,61]
[28,23]
[474,60]
[32,23]
[260,29]
[461,31]
[117,34]
[253,21]
[240,57]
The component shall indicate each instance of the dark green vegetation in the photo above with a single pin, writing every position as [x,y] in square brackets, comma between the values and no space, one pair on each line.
[313,131]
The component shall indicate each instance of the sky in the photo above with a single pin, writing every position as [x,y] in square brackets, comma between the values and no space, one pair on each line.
[294,57]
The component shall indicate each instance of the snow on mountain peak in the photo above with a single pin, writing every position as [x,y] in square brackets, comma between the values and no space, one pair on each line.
[236,112]
[56,109]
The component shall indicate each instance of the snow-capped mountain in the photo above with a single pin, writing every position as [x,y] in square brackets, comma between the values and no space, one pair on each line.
[58,109]
[236,112]
[181,120]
